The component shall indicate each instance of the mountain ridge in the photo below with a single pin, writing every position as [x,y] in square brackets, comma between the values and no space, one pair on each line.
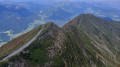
[84,41]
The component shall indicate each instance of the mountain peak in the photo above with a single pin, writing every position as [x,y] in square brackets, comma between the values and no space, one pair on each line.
[86,15]
[78,20]
[85,39]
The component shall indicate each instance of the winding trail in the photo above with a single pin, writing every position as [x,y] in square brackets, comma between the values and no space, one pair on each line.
[80,22]
[24,46]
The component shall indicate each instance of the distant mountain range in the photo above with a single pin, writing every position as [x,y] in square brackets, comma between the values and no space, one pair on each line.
[73,9]
[67,11]
[12,16]
[14,19]
[86,41]
[22,17]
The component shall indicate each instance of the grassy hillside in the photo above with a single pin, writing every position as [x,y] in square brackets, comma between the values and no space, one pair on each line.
[98,38]
[83,42]
[18,42]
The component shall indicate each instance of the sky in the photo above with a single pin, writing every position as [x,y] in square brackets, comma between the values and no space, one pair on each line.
[112,3]
[64,0]
[105,1]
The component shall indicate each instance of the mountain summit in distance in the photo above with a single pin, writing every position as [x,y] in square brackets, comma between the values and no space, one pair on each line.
[85,41]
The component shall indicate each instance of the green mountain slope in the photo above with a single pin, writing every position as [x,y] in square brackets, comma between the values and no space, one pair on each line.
[18,42]
[86,41]
[102,38]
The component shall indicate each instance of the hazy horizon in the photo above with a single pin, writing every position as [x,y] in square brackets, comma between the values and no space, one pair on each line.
[110,3]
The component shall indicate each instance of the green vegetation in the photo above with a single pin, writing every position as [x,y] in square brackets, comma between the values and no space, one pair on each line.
[74,52]
[80,50]
[3,63]
[18,42]
[58,61]
[14,58]
[47,27]
[38,53]
[38,56]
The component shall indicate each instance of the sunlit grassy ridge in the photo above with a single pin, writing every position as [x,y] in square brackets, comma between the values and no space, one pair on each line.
[18,42]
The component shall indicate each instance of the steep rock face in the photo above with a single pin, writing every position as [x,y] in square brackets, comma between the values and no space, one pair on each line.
[86,41]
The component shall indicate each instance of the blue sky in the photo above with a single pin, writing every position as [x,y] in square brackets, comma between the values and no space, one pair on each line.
[64,0]
[112,3]
[105,1]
